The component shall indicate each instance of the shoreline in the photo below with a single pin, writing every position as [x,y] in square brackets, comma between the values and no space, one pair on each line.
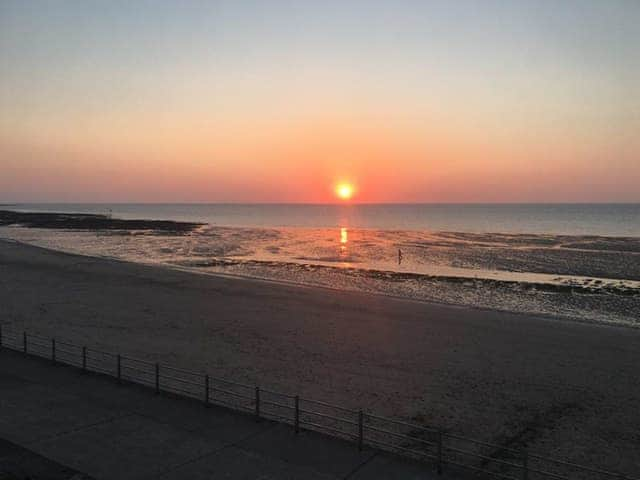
[288,283]
[587,279]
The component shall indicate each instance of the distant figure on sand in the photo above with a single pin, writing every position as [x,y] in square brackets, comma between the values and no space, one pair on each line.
[399,256]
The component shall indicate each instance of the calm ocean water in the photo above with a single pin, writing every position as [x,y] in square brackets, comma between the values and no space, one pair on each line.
[570,219]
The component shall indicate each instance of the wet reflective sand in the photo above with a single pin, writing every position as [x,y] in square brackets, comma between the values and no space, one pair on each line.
[584,277]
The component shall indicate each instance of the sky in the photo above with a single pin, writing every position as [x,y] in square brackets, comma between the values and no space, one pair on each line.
[279,101]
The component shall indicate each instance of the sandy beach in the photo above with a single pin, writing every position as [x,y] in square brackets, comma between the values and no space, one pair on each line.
[560,388]
[588,278]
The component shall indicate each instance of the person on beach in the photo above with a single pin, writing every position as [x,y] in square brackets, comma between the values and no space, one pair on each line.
[399,256]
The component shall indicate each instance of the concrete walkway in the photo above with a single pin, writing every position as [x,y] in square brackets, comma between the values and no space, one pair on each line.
[91,424]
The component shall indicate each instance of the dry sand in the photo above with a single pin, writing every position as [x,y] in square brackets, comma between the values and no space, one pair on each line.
[565,389]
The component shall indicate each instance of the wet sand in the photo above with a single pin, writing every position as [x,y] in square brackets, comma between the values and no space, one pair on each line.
[586,278]
[564,389]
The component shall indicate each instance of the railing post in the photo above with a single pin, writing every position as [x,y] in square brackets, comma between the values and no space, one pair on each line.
[525,466]
[53,350]
[360,429]
[157,378]
[206,390]
[297,414]
[84,359]
[257,403]
[119,368]
[439,466]
[24,342]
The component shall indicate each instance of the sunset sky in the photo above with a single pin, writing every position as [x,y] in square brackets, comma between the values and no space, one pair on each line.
[274,101]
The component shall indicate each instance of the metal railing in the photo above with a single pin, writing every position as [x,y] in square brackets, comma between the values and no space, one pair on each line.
[439,448]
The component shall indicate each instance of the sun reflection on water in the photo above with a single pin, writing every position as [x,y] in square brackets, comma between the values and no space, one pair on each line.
[344,238]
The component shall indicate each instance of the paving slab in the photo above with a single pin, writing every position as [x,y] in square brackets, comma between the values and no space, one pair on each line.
[236,463]
[19,463]
[213,421]
[127,448]
[390,467]
[31,411]
[337,457]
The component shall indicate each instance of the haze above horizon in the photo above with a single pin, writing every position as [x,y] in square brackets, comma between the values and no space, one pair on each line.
[282,102]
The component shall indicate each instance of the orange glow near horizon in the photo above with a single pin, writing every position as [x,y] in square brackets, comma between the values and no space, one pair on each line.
[344,191]
[361,105]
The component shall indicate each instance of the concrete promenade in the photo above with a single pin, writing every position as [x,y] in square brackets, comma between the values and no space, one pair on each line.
[92,425]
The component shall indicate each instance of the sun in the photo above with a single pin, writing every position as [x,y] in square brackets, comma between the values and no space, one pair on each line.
[344,191]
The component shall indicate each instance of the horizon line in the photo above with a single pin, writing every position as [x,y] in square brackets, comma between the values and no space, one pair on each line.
[10,204]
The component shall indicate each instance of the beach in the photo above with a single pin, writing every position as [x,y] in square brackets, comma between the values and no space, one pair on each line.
[556,387]
[583,277]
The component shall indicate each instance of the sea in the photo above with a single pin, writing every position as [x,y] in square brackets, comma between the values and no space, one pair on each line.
[578,261]
[605,219]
